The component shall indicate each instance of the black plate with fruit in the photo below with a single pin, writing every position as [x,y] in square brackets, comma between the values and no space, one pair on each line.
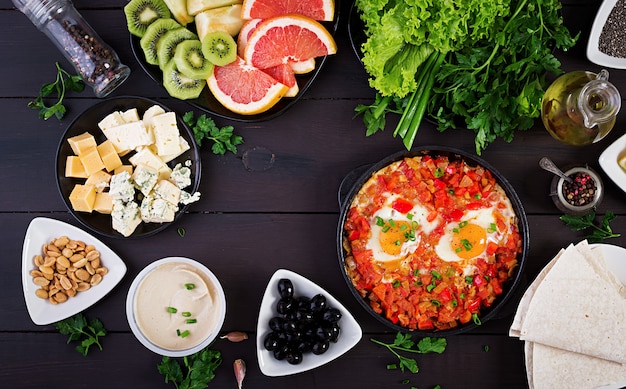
[208,103]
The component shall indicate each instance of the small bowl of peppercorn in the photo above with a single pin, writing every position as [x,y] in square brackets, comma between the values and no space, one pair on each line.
[579,196]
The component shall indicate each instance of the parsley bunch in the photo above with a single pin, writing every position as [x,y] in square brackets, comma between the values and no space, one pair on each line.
[88,332]
[403,343]
[61,84]
[199,369]
[224,139]
[584,222]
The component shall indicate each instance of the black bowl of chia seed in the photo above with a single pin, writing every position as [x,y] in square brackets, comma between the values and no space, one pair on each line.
[580,196]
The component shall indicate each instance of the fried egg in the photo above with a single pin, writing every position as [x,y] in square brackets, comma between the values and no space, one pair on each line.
[395,234]
[468,238]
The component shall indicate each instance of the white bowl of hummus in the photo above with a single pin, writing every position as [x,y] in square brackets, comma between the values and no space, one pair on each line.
[176,306]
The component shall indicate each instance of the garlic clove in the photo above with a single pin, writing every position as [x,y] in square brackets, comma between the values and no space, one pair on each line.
[239,366]
[235,336]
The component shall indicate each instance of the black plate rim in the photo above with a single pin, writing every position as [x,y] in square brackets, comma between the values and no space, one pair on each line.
[207,103]
[122,103]
[355,183]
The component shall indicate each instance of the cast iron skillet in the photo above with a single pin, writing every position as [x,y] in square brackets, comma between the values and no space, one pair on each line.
[353,182]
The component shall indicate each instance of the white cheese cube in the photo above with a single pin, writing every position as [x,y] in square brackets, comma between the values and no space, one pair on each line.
[156,210]
[166,134]
[167,191]
[129,136]
[145,156]
[184,146]
[130,115]
[121,187]
[113,119]
[150,113]
[125,217]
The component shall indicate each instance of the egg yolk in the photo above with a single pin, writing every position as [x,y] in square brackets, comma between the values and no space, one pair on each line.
[393,236]
[468,240]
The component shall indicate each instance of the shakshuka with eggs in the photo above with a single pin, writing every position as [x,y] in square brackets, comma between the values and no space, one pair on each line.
[430,241]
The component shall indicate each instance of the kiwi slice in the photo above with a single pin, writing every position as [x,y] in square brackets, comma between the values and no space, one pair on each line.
[141,13]
[219,47]
[150,39]
[180,86]
[190,60]
[168,42]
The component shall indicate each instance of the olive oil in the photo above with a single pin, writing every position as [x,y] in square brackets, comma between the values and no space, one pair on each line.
[580,107]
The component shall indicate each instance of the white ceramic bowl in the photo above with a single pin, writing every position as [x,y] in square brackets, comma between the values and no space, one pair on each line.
[218,297]
[349,336]
[593,45]
[41,231]
[609,162]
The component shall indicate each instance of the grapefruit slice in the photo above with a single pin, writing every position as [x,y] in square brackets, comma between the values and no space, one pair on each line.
[284,74]
[323,10]
[245,89]
[245,32]
[285,38]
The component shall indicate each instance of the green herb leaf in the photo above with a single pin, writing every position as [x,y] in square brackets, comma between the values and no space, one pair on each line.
[404,343]
[62,83]
[224,138]
[197,371]
[598,232]
[79,328]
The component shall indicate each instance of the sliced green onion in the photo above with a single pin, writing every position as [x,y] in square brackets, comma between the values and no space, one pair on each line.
[181,232]
[396,283]
[190,286]
[184,334]
[186,314]
[191,321]
[172,310]
[476,319]
[436,274]
[435,302]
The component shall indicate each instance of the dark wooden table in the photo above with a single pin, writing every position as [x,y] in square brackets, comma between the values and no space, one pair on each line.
[255,218]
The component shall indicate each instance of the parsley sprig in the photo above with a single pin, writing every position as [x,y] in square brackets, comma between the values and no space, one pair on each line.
[63,82]
[584,222]
[88,332]
[199,369]
[403,343]
[224,139]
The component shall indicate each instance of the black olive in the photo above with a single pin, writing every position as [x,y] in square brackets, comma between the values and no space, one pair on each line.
[317,303]
[285,288]
[294,357]
[276,323]
[292,337]
[302,302]
[323,333]
[334,330]
[284,306]
[331,315]
[271,341]
[303,345]
[304,316]
[320,347]
[290,325]
[281,352]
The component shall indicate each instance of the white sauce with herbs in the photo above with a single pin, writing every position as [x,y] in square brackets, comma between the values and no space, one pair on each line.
[169,286]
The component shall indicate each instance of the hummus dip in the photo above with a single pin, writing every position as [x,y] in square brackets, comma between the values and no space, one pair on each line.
[177,306]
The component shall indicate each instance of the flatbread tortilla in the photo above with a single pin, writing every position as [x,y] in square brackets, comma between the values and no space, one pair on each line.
[578,307]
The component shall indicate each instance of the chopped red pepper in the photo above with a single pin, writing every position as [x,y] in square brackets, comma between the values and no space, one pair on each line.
[401,205]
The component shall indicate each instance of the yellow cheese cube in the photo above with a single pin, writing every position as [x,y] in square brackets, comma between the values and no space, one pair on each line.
[124,168]
[83,198]
[91,161]
[81,143]
[103,203]
[109,156]
[100,180]
[74,168]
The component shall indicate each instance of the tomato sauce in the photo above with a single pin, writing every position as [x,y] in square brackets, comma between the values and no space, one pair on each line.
[421,290]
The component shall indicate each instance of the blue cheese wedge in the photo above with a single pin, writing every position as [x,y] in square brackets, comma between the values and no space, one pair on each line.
[156,210]
[144,177]
[125,216]
[188,198]
[181,176]
[121,187]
